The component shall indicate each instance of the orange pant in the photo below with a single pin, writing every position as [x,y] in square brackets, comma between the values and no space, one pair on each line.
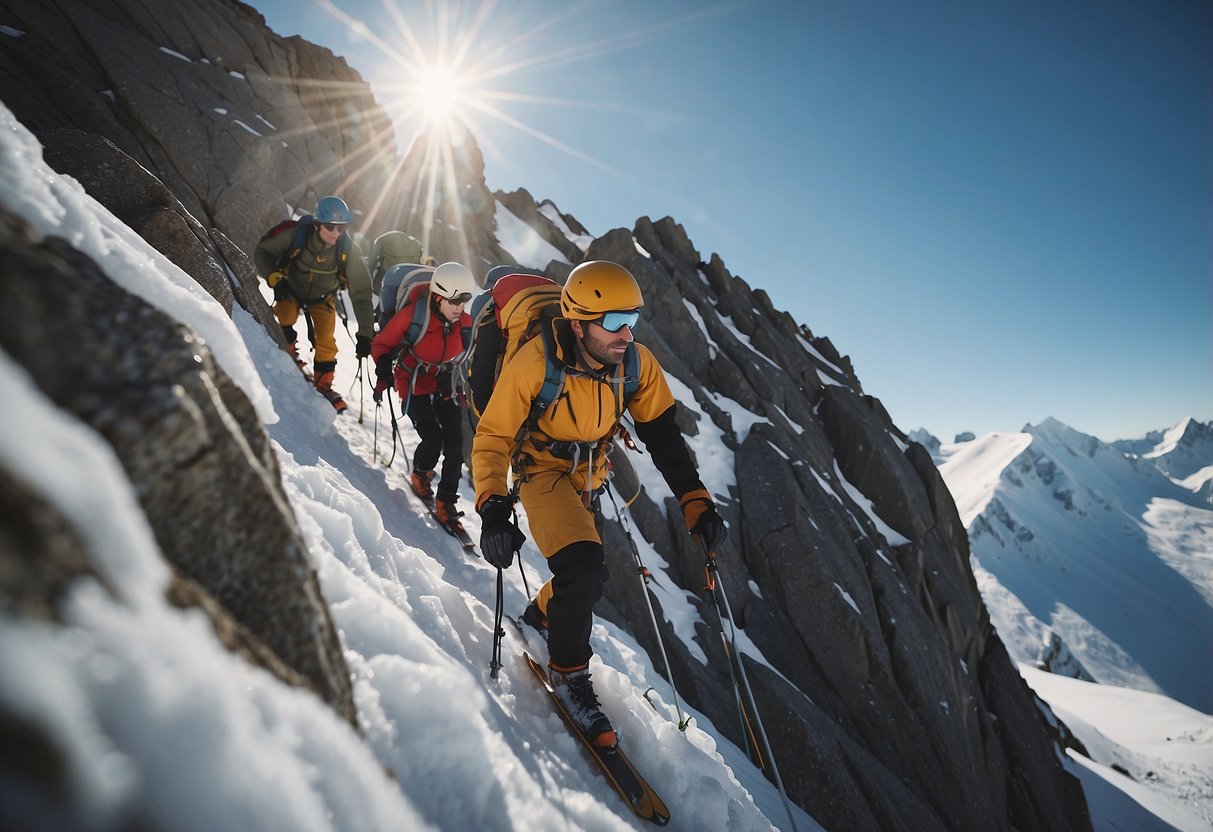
[324,323]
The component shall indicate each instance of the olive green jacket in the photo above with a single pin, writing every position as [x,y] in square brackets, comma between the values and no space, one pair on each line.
[312,276]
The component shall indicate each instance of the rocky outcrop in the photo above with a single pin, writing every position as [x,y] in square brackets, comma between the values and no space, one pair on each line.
[522,205]
[132,194]
[193,448]
[848,568]
[240,124]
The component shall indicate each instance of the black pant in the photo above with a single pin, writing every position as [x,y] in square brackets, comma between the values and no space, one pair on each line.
[437,421]
[579,572]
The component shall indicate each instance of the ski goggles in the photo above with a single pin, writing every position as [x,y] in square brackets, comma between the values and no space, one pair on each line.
[615,321]
[459,299]
[332,226]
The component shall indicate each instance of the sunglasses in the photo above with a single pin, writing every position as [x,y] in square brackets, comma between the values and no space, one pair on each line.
[332,226]
[615,321]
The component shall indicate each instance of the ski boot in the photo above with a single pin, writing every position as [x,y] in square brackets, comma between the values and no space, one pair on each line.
[419,481]
[536,619]
[324,385]
[448,515]
[576,693]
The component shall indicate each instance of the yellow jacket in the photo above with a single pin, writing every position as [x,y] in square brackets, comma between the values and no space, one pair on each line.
[586,410]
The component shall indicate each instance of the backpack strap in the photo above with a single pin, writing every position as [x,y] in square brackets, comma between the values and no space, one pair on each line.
[344,245]
[302,227]
[418,322]
[631,373]
[553,376]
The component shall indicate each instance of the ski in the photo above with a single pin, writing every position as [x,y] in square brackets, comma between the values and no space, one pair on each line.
[619,771]
[455,529]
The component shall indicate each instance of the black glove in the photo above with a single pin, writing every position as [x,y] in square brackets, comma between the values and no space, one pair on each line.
[282,290]
[711,529]
[383,377]
[362,346]
[499,537]
[443,382]
[383,370]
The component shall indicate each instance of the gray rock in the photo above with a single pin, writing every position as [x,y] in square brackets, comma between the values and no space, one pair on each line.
[190,443]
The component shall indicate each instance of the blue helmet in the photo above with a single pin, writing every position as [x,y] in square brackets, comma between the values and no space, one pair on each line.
[332,209]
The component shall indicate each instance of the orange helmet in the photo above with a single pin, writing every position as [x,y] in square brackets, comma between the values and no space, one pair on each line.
[597,287]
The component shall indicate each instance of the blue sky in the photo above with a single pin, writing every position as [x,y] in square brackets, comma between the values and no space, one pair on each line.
[1001,212]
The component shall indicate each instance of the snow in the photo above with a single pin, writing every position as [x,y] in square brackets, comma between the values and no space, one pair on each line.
[240,123]
[894,537]
[221,111]
[265,121]
[698,319]
[1196,480]
[11,32]
[745,339]
[151,711]
[1166,748]
[813,351]
[178,55]
[523,242]
[1170,440]
[236,74]
[582,241]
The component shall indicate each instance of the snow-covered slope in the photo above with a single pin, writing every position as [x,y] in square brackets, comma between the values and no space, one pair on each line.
[160,722]
[1071,536]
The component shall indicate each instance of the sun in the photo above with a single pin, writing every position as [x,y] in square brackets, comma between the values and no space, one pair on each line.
[440,93]
[446,75]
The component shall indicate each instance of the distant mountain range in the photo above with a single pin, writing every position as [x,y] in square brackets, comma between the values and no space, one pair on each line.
[1094,559]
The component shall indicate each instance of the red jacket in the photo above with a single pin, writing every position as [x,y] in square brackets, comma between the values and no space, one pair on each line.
[441,342]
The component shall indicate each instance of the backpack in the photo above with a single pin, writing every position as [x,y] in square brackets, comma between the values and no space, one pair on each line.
[389,249]
[520,305]
[403,284]
[301,227]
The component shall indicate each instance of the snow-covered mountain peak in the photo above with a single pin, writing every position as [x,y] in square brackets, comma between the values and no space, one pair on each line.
[1061,435]
[1065,528]
[1184,449]
[974,470]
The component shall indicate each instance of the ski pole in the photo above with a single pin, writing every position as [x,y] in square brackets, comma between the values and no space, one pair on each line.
[395,434]
[361,390]
[375,434]
[683,721]
[498,630]
[719,598]
[499,611]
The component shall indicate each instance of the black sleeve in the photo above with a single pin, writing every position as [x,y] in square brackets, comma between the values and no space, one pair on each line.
[663,439]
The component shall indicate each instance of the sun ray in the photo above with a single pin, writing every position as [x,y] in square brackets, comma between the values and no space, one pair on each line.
[505,118]
[448,64]
[606,46]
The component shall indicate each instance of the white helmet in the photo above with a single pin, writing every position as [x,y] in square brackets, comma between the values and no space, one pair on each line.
[450,280]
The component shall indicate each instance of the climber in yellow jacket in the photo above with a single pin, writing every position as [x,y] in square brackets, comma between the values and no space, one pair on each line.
[559,465]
